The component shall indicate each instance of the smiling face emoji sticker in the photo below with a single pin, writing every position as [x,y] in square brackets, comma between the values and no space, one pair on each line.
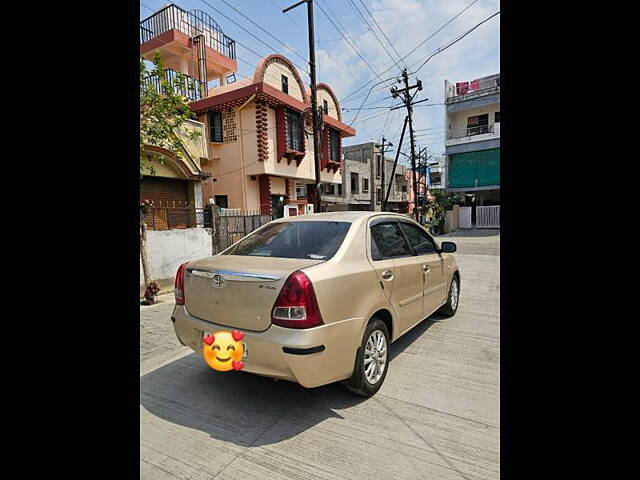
[223,350]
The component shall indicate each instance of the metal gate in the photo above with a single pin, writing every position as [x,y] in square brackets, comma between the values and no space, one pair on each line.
[464,217]
[229,226]
[488,217]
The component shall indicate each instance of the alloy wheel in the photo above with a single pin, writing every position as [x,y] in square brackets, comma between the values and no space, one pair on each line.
[375,356]
[454,295]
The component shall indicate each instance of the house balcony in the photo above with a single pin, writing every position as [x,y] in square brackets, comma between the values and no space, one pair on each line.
[189,87]
[172,31]
[474,94]
[472,134]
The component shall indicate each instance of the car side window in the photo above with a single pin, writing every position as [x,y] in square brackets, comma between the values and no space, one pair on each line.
[419,240]
[387,242]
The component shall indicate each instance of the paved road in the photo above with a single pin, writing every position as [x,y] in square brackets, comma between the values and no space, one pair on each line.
[436,416]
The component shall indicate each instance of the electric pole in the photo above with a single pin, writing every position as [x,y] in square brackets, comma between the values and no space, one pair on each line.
[395,162]
[408,99]
[314,101]
[382,146]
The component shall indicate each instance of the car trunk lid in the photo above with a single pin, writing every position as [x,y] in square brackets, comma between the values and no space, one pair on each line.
[238,291]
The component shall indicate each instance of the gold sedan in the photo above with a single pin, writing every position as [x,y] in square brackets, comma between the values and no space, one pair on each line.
[319,298]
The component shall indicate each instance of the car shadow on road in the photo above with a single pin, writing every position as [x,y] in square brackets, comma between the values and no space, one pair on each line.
[245,409]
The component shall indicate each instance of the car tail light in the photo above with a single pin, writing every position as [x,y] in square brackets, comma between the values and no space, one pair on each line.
[179,285]
[296,305]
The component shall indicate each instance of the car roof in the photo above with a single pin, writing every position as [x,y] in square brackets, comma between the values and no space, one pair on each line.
[339,216]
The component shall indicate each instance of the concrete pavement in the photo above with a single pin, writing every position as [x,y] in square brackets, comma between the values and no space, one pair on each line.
[436,415]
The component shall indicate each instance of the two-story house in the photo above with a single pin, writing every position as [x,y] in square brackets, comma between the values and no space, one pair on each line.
[261,139]
[472,145]
[256,131]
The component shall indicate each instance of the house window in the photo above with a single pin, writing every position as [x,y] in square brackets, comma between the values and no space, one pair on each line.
[222,201]
[497,117]
[478,124]
[339,189]
[294,131]
[404,189]
[325,107]
[334,145]
[377,166]
[215,125]
[378,195]
[435,178]
[285,84]
[354,183]
[330,189]
[365,185]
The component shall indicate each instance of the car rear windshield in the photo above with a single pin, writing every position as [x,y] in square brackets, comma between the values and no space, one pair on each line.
[311,240]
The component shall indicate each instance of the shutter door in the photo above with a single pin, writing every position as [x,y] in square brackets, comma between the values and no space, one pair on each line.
[164,194]
[475,169]
[157,189]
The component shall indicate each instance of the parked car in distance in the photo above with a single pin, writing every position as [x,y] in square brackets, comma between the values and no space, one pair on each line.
[319,298]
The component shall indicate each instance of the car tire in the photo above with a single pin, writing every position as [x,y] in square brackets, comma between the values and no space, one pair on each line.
[360,383]
[449,309]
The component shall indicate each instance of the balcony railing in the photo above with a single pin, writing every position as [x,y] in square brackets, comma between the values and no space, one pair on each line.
[474,94]
[192,23]
[470,131]
[190,87]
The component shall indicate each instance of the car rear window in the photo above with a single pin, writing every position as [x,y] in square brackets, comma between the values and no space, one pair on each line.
[310,240]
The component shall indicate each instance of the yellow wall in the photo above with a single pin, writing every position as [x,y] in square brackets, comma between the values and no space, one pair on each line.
[273,76]
[278,186]
[332,107]
[228,158]
[196,148]
[166,169]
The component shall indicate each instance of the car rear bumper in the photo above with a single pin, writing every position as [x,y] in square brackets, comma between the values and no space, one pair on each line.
[310,357]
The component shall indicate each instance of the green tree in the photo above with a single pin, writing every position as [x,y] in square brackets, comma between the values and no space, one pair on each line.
[439,201]
[162,110]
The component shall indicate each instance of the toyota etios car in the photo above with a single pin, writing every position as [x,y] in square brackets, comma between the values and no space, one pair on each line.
[318,298]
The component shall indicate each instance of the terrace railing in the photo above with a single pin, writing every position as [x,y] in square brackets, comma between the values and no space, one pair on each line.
[191,23]
[190,87]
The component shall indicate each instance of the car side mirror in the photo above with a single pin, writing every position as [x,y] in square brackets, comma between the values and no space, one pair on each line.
[448,247]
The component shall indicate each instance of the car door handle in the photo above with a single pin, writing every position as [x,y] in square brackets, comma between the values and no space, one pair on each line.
[426,268]
[387,275]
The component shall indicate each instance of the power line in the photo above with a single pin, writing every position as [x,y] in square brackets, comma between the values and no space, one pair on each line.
[418,46]
[265,31]
[347,40]
[441,49]
[360,108]
[381,31]
[254,36]
[148,8]
[353,5]
[289,17]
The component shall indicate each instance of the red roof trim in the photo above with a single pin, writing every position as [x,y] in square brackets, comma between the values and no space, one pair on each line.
[271,95]
[327,88]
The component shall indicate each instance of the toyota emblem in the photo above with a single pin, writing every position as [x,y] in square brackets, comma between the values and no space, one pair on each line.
[218,281]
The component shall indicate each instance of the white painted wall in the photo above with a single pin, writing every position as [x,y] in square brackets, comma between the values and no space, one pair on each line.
[167,249]
[458,121]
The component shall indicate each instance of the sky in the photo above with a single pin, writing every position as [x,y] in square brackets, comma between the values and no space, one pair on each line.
[406,23]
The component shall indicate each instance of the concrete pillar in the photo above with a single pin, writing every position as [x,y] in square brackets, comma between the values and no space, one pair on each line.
[456,216]
[197,193]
